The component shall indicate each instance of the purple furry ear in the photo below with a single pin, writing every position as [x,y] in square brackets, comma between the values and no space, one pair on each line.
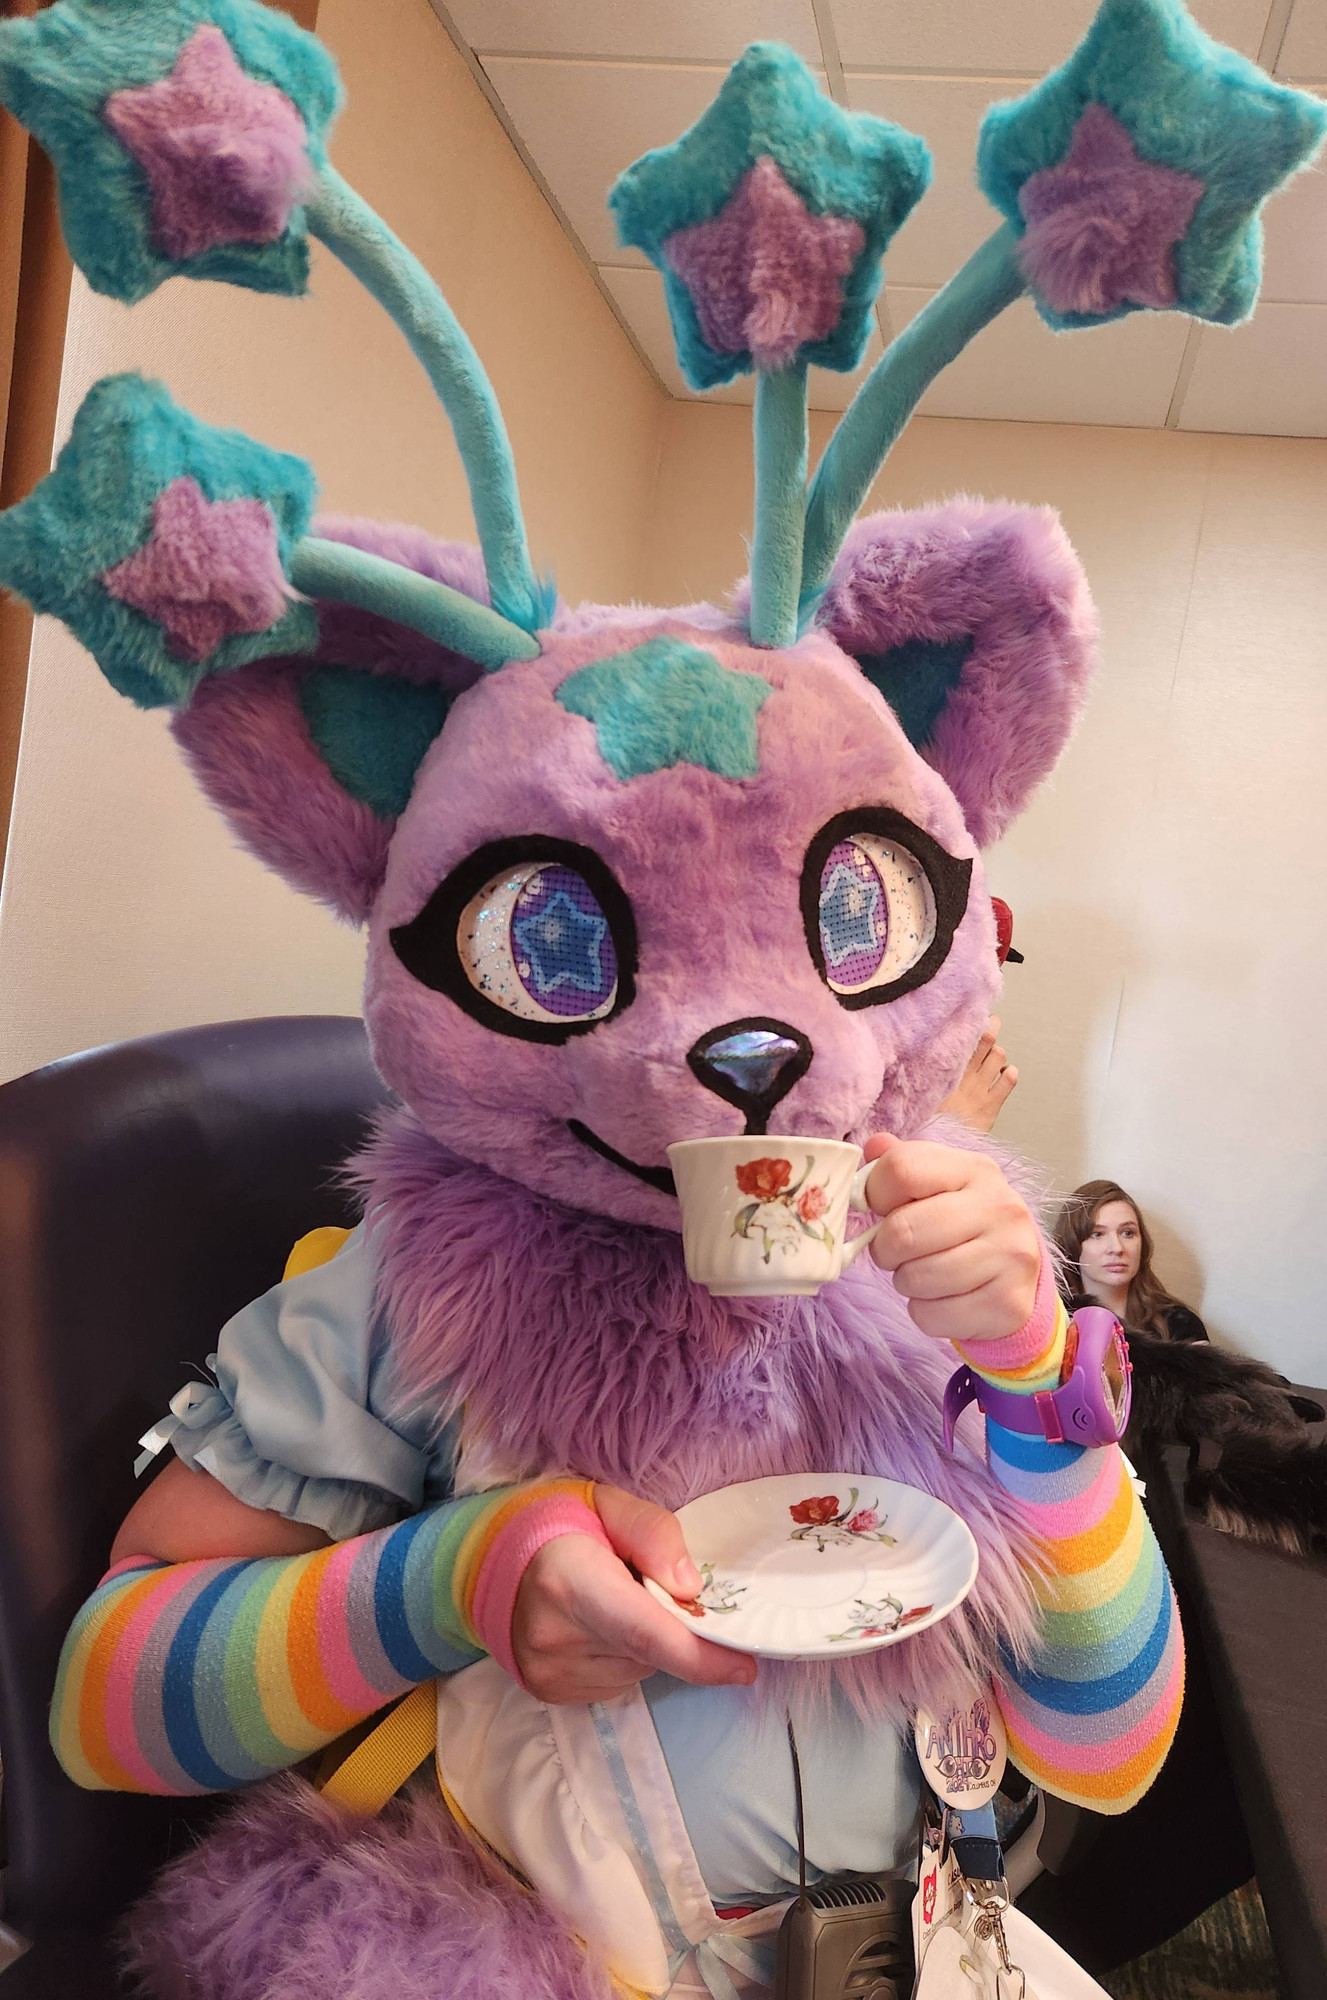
[312,757]
[975,622]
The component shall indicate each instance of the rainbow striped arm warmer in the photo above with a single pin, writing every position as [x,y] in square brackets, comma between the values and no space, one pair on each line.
[200,1676]
[1093,1719]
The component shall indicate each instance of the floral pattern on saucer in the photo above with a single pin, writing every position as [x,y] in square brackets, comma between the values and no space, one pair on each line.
[877,1620]
[782,1212]
[713,1595]
[821,1519]
[820,1565]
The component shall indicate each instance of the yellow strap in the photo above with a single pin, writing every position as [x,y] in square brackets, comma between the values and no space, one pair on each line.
[319,1246]
[378,1767]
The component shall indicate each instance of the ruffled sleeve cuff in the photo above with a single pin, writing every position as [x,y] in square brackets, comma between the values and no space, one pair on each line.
[205,1432]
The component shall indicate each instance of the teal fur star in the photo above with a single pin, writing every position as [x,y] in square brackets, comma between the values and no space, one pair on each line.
[1190,108]
[115,506]
[668,702]
[59,71]
[840,165]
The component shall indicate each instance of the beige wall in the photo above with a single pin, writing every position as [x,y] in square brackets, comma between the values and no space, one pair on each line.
[1168,884]
[127,907]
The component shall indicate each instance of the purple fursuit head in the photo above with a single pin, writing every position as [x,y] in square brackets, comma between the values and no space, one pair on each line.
[629,875]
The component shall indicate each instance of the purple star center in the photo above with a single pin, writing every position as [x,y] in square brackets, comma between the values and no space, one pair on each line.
[208,569]
[765,274]
[224,154]
[1102,224]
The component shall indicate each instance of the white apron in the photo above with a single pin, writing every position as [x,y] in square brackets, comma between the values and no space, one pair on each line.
[578,1799]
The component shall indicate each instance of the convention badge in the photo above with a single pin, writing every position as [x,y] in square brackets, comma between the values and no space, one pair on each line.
[962,1749]
[938,1902]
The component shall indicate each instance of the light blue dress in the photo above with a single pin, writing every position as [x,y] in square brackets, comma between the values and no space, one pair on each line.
[304,1418]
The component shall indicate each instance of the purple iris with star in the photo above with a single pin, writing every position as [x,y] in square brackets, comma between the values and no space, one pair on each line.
[854,917]
[562,947]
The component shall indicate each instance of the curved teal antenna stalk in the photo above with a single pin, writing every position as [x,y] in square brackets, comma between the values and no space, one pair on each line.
[353,576]
[991,279]
[780,510]
[343,220]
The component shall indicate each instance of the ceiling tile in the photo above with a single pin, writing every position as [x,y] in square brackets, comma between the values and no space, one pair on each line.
[1269,377]
[1304,50]
[640,299]
[1295,239]
[1016,368]
[963,36]
[582,123]
[954,216]
[663,31]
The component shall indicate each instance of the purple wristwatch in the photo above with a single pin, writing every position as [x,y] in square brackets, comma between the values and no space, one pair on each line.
[1091,1405]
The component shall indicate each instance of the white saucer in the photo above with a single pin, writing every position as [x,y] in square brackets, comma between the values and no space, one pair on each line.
[818,1565]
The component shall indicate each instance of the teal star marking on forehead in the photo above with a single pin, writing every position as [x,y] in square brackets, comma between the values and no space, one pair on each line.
[668,702]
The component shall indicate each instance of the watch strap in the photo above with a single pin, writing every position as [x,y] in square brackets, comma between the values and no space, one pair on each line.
[1041,1414]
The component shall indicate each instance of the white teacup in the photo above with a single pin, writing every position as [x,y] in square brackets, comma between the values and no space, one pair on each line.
[767,1216]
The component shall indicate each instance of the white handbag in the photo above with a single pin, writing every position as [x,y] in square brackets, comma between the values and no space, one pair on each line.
[973,1950]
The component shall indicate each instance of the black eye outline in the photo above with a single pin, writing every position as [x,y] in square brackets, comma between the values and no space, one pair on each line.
[427,948]
[949,878]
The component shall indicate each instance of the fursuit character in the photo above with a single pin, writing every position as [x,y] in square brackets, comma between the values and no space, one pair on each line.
[629,875]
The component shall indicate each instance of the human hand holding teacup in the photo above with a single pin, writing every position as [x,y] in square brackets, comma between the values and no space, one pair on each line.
[767,1215]
[959,1242]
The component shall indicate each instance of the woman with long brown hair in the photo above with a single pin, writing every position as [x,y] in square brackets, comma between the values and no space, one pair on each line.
[1107,1251]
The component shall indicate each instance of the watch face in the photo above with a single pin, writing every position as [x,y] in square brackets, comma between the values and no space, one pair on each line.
[1115,1378]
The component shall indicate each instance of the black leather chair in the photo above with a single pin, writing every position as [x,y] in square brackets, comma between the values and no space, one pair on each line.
[147,1191]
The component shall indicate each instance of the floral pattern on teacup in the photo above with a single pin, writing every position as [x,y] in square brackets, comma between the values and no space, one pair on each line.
[712,1595]
[782,1212]
[877,1619]
[821,1519]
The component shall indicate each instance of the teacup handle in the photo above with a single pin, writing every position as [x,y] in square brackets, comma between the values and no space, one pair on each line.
[857,1199]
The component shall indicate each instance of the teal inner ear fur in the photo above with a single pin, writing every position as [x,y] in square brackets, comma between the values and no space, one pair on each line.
[668,702]
[372,731]
[917,679]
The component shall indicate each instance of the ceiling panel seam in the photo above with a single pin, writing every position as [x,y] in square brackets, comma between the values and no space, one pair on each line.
[552,56]
[838,90]
[829,50]
[499,109]
[1274,34]
[1184,375]
[875,73]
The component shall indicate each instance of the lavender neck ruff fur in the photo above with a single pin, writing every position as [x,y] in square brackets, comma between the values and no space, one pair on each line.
[577,1345]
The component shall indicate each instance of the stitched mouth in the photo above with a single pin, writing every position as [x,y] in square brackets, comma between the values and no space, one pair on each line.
[655,1177]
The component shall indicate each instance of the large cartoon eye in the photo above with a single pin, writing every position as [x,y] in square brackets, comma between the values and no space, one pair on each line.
[881,901]
[535,940]
[877,912]
[533,937]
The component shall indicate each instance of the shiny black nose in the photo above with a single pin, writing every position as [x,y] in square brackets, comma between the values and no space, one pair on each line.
[752,1064]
